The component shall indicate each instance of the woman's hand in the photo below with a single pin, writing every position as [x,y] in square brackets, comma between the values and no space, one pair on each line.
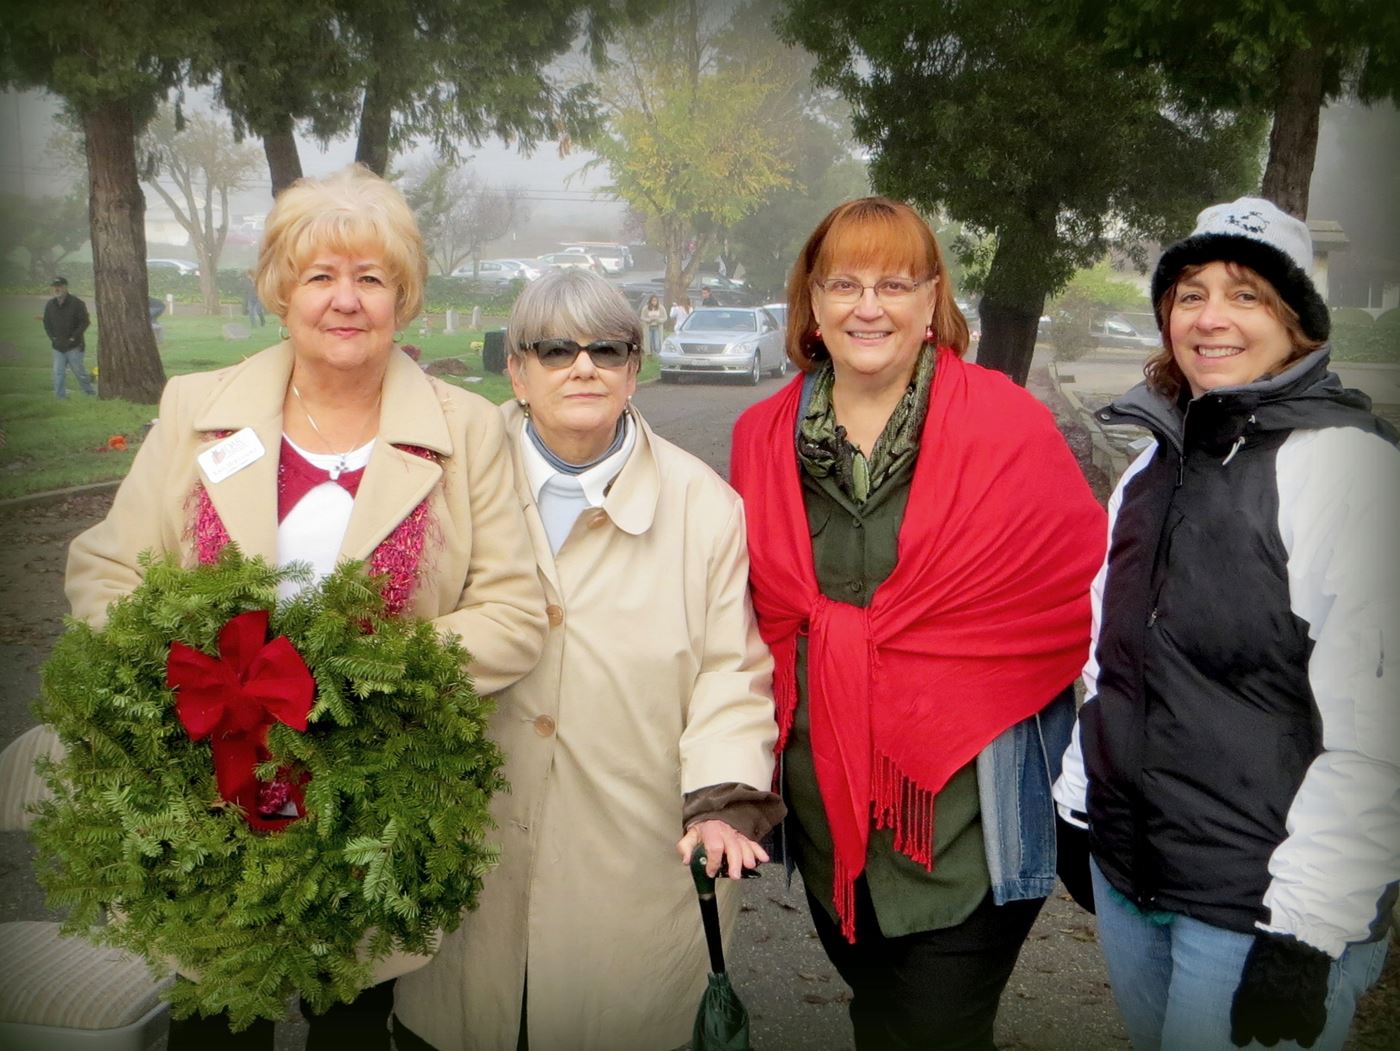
[724,846]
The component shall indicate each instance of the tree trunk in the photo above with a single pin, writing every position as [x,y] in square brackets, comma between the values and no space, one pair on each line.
[372,149]
[1010,314]
[1008,338]
[283,160]
[1293,139]
[128,363]
[208,280]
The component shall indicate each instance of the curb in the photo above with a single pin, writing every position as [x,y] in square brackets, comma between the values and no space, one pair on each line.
[1105,457]
[53,496]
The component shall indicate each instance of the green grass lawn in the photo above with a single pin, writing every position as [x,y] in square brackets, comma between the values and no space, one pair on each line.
[53,444]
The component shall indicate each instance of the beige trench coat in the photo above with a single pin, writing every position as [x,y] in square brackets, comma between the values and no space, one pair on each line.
[480,581]
[654,682]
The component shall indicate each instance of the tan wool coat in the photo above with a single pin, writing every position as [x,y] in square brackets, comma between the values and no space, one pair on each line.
[477,577]
[654,682]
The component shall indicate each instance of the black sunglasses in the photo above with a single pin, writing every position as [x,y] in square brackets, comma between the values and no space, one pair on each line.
[604,353]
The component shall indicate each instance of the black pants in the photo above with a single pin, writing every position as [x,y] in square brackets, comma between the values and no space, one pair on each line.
[934,990]
[361,1025]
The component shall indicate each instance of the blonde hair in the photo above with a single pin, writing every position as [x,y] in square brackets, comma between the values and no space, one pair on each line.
[1164,375]
[877,232]
[567,304]
[352,212]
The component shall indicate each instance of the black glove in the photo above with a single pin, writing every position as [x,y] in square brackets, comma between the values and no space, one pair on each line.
[1282,993]
[1072,862]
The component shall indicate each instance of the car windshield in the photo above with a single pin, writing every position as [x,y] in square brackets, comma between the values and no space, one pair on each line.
[720,321]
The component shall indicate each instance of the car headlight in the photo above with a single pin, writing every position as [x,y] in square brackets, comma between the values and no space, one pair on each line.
[738,348]
[670,346]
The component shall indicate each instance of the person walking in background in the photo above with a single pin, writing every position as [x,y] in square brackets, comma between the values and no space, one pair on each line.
[654,318]
[921,563]
[252,305]
[680,310]
[65,321]
[707,298]
[1234,780]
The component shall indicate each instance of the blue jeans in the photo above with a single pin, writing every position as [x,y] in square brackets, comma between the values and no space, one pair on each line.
[63,360]
[653,340]
[1174,977]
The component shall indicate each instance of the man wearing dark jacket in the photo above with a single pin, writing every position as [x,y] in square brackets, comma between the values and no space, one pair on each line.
[65,321]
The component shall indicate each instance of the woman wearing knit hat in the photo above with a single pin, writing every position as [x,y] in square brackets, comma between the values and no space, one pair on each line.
[1237,761]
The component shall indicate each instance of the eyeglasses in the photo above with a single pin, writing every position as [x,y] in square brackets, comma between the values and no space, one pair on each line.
[604,353]
[887,289]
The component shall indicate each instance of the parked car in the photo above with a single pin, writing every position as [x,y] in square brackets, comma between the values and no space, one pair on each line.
[615,258]
[1116,331]
[734,341]
[182,266]
[495,273]
[730,294]
[529,268]
[566,260]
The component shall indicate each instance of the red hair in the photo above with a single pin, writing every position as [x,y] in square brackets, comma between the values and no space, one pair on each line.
[874,232]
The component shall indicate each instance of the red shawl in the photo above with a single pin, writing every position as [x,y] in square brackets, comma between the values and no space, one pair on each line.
[984,619]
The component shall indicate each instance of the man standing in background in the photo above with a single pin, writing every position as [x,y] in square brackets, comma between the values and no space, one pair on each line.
[65,321]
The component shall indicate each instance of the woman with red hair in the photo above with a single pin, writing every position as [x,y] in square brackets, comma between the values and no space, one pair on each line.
[922,544]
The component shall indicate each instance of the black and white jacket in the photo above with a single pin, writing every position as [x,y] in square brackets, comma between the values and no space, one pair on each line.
[1238,755]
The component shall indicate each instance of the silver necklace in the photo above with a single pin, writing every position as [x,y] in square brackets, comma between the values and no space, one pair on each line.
[338,468]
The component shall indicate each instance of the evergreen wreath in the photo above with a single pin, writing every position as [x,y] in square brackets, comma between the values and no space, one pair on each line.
[394,767]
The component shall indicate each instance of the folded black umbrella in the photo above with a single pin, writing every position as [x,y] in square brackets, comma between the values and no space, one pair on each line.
[721,1023]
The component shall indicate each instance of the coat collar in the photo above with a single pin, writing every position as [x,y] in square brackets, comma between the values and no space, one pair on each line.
[632,499]
[395,481]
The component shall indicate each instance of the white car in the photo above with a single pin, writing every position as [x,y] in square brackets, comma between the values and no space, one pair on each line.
[612,258]
[737,341]
[528,270]
[183,266]
[494,273]
[565,260]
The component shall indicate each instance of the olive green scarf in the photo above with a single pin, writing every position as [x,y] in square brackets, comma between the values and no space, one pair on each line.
[824,450]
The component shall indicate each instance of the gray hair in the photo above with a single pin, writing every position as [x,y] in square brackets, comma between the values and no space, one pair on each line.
[569,303]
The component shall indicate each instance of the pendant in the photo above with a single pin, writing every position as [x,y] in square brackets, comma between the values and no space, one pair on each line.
[337,468]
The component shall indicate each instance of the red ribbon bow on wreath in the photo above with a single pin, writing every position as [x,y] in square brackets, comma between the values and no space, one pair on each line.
[235,700]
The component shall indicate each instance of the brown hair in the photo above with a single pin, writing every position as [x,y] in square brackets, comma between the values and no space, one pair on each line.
[1164,375]
[870,231]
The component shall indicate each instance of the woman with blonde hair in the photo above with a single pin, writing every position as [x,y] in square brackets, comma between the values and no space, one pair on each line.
[922,544]
[333,445]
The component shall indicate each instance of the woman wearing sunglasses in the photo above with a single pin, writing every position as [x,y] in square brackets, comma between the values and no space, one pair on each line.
[649,719]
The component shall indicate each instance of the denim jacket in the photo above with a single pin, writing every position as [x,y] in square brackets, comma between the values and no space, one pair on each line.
[1014,775]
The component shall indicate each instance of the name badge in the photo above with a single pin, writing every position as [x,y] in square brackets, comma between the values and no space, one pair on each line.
[231,455]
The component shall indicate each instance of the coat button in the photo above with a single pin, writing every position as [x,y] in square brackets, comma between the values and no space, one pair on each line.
[555,615]
[544,725]
[598,519]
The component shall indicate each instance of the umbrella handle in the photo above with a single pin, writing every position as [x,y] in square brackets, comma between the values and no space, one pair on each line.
[709,908]
[704,882]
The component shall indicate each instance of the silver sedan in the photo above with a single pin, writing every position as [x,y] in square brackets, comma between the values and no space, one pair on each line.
[734,341]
